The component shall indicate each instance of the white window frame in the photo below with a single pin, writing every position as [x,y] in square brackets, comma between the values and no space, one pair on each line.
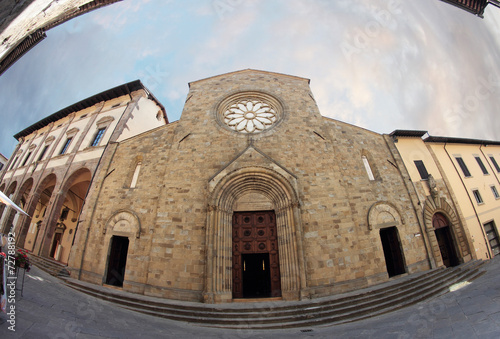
[368,168]
[135,177]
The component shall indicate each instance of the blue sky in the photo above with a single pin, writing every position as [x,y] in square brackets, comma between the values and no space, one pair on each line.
[378,64]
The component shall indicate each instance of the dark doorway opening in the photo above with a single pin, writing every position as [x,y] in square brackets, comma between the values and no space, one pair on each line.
[392,251]
[256,275]
[445,240]
[117,261]
[446,247]
[55,244]
[492,236]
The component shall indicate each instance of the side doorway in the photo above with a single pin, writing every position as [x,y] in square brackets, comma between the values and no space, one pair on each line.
[493,239]
[445,240]
[392,251]
[117,261]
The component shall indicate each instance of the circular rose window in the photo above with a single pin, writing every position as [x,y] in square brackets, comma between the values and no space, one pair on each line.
[249,112]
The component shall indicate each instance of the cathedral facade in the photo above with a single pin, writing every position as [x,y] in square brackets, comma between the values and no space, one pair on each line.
[251,194]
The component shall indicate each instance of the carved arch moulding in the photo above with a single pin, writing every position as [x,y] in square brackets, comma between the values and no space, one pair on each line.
[432,206]
[383,214]
[124,222]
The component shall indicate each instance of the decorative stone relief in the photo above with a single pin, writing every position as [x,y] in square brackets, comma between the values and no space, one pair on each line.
[383,214]
[124,222]
[249,112]
[250,116]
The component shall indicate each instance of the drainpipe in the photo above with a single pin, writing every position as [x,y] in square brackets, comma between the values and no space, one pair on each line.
[491,168]
[470,199]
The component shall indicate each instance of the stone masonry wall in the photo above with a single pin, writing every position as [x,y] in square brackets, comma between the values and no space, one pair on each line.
[171,199]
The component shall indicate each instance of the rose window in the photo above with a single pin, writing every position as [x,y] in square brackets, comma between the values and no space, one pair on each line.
[250,116]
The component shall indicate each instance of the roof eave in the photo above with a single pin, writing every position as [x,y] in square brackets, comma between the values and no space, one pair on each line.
[118,91]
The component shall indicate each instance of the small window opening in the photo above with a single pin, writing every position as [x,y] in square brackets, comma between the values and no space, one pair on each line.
[66,146]
[43,152]
[98,137]
[481,165]
[494,162]
[424,175]
[495,192]
[368,168]
[462,165]
[26,159]
[135,177]
[478,197]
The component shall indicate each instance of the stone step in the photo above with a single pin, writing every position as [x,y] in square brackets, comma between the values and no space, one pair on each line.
[49,265]
[348,307]
[311,315]
[346,297]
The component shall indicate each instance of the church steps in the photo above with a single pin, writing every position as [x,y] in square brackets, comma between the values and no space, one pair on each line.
[268,320]
[356,306]
[131,299]
[388,287]
[51,266]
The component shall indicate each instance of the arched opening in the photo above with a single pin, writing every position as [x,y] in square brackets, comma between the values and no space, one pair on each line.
[67,210]
[30,233]
[22,201]
[253,220]
[458,239]
[445,240]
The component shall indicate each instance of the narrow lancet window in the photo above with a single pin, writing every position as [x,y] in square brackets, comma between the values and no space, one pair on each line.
[368,168]
[136,175]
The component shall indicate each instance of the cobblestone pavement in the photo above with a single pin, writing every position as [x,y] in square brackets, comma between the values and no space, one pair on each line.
[49,309]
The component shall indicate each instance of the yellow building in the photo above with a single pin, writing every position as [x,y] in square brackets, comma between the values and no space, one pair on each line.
[470,172]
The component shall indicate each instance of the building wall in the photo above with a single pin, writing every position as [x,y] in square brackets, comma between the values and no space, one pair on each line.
[178,222]
[45,186]
[440,161]
[3,162]
[475,214]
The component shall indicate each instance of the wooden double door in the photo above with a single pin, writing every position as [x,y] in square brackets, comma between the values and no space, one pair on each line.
[256,272]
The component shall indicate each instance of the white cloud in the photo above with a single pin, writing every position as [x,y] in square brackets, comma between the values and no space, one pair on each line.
[418,62]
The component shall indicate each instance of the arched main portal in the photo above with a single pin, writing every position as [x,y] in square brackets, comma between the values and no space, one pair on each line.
[229,203]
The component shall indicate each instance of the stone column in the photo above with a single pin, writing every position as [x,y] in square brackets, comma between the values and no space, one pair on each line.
[223,256]
[289,263]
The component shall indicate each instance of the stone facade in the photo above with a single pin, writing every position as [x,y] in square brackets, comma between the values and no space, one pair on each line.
[169,197]
[251,194]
